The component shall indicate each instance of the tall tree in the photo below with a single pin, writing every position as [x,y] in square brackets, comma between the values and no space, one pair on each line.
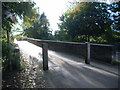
[39,28]
[86,20]
[21,10]
[115,8]
[11,10]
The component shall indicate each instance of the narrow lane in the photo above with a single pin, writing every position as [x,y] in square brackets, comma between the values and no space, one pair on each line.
[68,71]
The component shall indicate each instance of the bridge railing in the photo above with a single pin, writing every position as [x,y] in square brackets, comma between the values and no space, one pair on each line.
[100,52]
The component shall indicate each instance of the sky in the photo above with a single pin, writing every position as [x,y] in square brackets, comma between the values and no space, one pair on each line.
[52,9]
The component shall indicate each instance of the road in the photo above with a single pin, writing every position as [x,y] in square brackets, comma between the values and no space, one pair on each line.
[67,71]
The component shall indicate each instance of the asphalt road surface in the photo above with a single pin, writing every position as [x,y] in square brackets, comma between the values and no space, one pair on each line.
[67,71]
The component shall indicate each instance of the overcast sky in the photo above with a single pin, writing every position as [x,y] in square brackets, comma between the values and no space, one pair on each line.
[53,9]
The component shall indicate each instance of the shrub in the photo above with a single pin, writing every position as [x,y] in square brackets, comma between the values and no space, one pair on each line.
[10,59]
[5,54]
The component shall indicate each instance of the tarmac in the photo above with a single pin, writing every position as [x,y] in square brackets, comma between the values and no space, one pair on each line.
[68,71]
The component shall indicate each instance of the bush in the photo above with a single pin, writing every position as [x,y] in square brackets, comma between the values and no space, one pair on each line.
[5,54]
[16,61]
[116,62]
[10,59]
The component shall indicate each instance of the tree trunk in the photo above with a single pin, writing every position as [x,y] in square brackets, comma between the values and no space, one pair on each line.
[88,38]
[8,36]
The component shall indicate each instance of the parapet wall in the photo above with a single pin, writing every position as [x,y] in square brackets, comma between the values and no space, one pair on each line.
[99,52]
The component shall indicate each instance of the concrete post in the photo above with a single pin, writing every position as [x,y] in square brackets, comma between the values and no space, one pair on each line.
[87,60]
[45,56]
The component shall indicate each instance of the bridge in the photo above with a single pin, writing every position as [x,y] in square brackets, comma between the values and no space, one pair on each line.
[66,70]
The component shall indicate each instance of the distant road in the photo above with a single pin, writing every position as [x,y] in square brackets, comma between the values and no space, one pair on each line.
[67,71]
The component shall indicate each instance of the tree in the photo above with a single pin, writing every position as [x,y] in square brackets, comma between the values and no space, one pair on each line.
[39,28]
[115,16]
[86,20]
[115,8]
[22,10]
[11,10]
[61,35]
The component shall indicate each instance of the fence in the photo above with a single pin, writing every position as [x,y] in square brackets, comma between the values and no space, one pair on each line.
[99,52]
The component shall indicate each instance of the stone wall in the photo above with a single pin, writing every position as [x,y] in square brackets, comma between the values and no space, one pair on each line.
[99,52]
[102,52]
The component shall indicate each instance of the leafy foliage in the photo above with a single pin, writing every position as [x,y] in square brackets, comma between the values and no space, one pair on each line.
[7,55]
[39,29]
[115,8]
[86,20]
[22,9]
[61,35]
